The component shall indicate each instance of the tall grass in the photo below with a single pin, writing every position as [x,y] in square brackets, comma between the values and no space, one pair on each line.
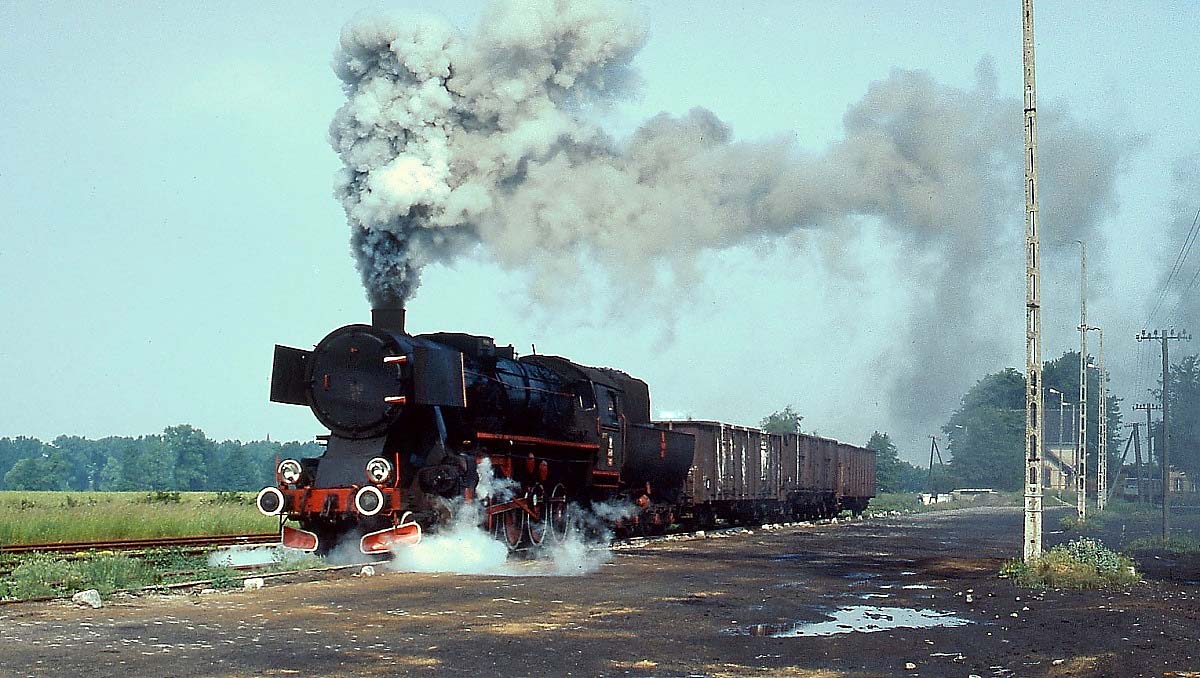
[37,517]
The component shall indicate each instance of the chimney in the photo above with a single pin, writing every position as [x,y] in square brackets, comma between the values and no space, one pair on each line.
[388,318]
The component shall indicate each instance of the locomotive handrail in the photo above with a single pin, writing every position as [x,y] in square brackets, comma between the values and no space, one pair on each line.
[534,440]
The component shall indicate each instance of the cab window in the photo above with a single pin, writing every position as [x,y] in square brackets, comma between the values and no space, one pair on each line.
[609,407]
[585,399]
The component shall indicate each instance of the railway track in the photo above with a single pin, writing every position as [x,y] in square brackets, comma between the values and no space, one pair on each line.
[142,544]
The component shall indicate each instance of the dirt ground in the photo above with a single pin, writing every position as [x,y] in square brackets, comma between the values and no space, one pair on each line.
[732,606]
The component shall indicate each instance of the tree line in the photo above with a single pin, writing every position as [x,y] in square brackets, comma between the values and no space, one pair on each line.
[181,458]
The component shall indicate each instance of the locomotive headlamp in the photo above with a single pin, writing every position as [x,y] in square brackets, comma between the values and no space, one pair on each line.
[290,471]
[368,500]
[270,501]
[379,469]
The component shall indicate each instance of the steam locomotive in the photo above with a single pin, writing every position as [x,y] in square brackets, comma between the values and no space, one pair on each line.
[411,420]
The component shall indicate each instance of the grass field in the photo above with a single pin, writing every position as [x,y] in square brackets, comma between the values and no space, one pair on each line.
[38,517]
[909,502]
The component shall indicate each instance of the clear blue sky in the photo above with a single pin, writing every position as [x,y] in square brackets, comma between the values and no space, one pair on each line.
[167,213]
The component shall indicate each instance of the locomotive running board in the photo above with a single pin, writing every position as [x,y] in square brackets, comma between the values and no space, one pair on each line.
[405,534]
[302,540]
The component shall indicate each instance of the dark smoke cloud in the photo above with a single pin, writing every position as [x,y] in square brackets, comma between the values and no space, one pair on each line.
[451,141]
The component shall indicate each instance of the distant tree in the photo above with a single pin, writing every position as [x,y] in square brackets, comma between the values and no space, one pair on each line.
[987,432]
[190,452]
[120,472]
[1185,414]
[155,464]
[230,471]
[781,422]
[887,462]
[85,458]
[13,450]
[45,472]
[893,474]
[137,464]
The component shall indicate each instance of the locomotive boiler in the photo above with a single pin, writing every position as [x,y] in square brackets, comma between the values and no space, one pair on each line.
[411,418]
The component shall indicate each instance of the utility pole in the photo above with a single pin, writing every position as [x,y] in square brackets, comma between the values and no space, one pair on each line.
[1164,454]
[1102,448]
[1033,305]
[933,449]
[1124,455]
[1081,443]
[1143,492]
[1137,456]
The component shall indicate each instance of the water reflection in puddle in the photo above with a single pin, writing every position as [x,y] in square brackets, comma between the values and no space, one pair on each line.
[857,618]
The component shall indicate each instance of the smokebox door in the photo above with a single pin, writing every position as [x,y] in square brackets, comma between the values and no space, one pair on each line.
[288,384]
[438,377]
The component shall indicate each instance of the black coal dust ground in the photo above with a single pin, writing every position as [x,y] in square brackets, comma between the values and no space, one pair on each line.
[907,595]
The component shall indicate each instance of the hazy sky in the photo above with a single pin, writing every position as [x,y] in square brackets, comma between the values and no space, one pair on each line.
[166,200]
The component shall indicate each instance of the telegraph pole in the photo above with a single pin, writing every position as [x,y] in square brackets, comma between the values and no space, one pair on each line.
[1081,444]
[1137,455]
[1164,454]
[933,448]
[1149,407]
[1033,306]
[1102,448]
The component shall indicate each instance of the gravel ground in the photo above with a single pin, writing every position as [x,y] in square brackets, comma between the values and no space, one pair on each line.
[907,595]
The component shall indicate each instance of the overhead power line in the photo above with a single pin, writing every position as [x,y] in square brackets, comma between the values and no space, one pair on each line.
[1184,250]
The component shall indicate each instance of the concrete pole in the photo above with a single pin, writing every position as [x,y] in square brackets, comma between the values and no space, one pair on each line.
[1102,448]
[1033,306]
[1164,455]
[1081,443]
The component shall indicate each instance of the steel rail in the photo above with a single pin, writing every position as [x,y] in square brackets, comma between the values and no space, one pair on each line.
[142,544]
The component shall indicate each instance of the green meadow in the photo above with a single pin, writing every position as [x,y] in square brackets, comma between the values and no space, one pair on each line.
[37,517]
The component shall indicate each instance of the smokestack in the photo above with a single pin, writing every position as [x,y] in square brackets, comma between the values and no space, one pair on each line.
[388,318]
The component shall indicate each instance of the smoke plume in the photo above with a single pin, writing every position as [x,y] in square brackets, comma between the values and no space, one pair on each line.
[450,141]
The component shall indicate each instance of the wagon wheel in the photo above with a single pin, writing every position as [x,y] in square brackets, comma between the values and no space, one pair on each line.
[513,525]
[537,528]
[556,513]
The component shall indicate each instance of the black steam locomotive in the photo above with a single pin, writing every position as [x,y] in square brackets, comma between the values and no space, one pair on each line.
[413,418]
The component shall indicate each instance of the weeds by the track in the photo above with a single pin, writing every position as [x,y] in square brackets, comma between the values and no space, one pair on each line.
[1080,564]
[1186,545]
[41,575]
[39,517]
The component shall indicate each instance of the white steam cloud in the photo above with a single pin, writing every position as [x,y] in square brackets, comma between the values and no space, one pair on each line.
[449,141]
[464,547]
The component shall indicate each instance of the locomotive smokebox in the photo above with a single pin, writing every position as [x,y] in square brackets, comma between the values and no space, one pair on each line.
[388,318]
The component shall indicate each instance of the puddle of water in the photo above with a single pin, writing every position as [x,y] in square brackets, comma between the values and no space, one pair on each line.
[857,619]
